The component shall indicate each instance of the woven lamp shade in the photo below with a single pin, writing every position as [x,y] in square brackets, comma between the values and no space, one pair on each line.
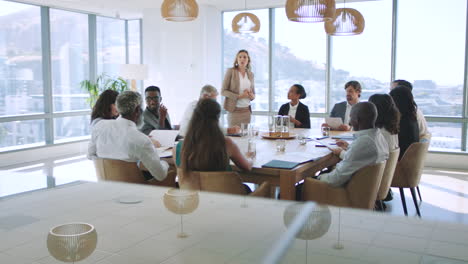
[310,10]
[317,225]
[179,10]
[181,201]
[72,242]
[245,23]
[348,22]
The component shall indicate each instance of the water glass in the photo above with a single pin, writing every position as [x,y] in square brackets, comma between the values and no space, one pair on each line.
[302,139]
[280,145]
[285,127]
[251,149]
[244,129]
[325,131]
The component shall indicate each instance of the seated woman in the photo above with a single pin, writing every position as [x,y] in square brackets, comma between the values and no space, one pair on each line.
[409,130]
[105,107]
[205,148]
[388,118]
[298,112]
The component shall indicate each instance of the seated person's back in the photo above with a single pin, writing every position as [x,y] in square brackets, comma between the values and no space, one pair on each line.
[369,146]
[120,139]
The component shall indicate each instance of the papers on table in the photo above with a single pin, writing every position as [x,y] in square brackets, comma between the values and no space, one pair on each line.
[327,144]
[164,152]
[334,122]
[165,137]
[344,136]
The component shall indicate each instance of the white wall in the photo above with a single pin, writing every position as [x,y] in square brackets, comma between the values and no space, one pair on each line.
[182,56]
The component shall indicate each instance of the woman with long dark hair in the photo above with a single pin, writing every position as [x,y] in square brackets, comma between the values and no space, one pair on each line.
[105,107]
[205,148]
[409,130]
[298,112]
[388,118]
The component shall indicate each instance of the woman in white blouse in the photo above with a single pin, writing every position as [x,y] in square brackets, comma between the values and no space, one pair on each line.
[388,118]
[239,90]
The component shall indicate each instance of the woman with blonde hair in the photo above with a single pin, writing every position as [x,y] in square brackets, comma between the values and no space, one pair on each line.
[239,90]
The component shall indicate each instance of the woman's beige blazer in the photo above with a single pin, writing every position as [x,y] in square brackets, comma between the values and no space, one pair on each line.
[231,88]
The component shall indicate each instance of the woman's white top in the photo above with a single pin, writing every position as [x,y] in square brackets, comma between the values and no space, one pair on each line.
[392,140]
[244,84]
[292,110]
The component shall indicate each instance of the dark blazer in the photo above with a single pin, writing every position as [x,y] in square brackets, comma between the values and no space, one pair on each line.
[409,134]
[339,110]
[302,114]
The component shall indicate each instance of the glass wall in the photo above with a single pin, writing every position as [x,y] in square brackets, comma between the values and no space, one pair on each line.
[110,45]
[70,59]
[257,46]
[21,86]
[34,112]
[430,53]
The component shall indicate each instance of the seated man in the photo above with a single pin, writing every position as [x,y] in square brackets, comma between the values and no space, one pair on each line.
[207,91]
[155,115]
[343,109]
[422,124]
[120,139]
[369,146]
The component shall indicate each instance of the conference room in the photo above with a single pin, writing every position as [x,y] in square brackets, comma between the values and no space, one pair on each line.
[57,57]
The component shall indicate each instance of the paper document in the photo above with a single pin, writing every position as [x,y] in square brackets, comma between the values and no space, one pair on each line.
[334,122]
[164,152]
[329,145]
[165,137]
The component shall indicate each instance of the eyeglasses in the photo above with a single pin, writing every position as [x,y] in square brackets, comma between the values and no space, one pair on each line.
[153,98]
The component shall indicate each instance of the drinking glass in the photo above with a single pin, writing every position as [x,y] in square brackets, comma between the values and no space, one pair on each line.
[278,126]
[251,149]
[244,129]
[285,128]
[325,131]
[280,145]
[302,139]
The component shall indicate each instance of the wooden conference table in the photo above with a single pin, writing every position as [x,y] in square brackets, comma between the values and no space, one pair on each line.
[286,179]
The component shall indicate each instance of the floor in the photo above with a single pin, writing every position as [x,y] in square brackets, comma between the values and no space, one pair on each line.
[444,192]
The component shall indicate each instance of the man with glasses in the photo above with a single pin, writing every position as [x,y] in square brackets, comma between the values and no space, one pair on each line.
[155,115]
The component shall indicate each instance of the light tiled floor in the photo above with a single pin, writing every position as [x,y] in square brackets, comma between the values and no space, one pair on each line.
[444,192]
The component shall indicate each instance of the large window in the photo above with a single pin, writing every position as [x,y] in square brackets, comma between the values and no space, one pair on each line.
[431,53]
[70,59]
[257,46]
[110,45]
[299,56]
[35,111]
[21,87]
[366,57]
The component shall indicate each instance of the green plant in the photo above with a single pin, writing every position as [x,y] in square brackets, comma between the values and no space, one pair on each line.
[103,82]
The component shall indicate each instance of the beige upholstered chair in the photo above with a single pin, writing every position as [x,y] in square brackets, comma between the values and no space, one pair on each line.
[123,171]
[359,192]
[424,138]
[408,171]
[387,177]
[219,181]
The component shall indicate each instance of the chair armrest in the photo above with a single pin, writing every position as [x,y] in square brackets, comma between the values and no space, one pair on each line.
[262,191]
[322,192]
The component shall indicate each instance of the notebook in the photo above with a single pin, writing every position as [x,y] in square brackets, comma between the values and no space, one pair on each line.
[280,164]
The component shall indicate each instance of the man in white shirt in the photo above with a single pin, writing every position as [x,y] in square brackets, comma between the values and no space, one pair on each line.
[343,109]
[369,146]
[422,124]
[121,140]
[207,91]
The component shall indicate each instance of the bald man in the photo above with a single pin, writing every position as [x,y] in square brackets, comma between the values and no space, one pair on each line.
[368,147]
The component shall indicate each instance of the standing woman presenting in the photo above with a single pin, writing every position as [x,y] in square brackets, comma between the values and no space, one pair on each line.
[238,88]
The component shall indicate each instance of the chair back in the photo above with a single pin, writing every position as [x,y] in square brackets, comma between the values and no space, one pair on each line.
[363,187]
[212,181]
[118,170]
[409,169]
[425,138]
[388,173]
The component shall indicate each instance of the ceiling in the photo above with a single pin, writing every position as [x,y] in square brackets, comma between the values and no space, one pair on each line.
[134,8]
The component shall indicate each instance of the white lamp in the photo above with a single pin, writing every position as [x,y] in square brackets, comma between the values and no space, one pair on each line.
[134,72]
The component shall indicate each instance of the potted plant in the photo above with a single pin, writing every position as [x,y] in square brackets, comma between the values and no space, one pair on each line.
[103,82]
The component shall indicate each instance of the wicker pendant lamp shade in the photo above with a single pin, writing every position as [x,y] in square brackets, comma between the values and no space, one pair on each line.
[348,22]
[179,10]
[310,10]
[245,23]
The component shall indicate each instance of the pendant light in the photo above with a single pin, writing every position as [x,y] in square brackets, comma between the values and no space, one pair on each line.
[179,10]
[245,22]
[348,22]
[310,10]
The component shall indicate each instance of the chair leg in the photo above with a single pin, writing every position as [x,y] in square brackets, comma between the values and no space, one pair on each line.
[419,193]
[403,201]
[413,193]
[382,205]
